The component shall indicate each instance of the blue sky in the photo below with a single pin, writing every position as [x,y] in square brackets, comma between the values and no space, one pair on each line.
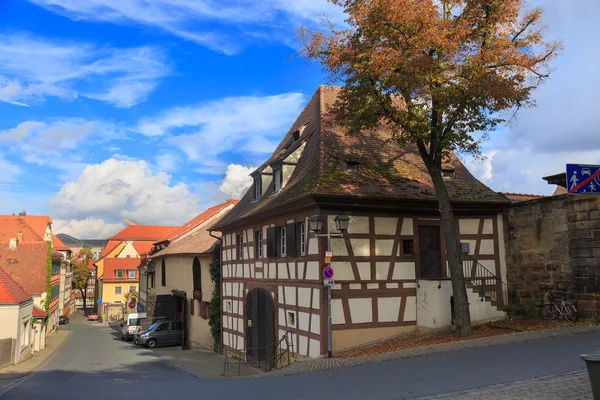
[151,110]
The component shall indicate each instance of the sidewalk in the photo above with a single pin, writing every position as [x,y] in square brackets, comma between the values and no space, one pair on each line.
[11,375]
[574,386]
[203,364]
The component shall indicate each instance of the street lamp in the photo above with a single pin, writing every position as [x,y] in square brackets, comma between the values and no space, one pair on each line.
[315,223]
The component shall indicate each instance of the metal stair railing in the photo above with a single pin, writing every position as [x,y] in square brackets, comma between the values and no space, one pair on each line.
[276,351]
[484,281]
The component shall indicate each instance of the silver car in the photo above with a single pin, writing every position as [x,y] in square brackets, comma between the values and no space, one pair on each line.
[162,333]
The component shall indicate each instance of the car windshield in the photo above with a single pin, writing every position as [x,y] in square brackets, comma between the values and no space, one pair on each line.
[153,326]
[134,322]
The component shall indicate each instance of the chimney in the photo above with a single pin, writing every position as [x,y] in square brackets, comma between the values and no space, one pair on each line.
[19,237]
[22,214]
[12,244]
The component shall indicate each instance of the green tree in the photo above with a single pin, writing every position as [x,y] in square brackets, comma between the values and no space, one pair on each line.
[81,273]
[437,74]
[214,307]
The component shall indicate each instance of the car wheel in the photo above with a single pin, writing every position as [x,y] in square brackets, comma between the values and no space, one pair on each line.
[122,337]
[151,343]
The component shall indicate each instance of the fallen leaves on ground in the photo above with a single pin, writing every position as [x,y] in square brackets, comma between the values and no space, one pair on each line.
[417,339]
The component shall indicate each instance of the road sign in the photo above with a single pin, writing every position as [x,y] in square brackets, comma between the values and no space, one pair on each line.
[140,308]
[328,273]
[329,254]
[99,301]
[583,178]
[132,304]
[328,282]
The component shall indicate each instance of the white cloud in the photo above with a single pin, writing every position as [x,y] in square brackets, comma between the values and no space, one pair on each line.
[166,162]
[8,171]
[114,190]
[236,181]
[206,22]
[205,131]
[34,68]
[89,228]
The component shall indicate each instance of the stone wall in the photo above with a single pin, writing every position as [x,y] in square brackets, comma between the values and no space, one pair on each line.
[554,244]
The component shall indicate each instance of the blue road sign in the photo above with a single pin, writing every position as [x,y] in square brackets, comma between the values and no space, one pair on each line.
[583,178]
[139,307]
[99,301]
[328,273]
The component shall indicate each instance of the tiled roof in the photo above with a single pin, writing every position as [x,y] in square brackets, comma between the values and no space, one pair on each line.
[70,240]
[198,242]
[113,264]
[514,197]
[143,232]
[143,247]
[198,220]
[11,225]
[10,291]
[560,190]
[26,264]
[110,246]
[385,170]
[58,244]
[38,223]
[38,312]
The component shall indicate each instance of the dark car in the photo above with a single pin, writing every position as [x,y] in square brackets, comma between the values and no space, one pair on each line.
[161,333]
[63,319]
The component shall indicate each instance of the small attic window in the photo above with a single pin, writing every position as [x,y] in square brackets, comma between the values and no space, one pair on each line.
[352,166]
[296,136]
[448,173]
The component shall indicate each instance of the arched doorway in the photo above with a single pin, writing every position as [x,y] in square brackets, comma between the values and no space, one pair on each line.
[260,327]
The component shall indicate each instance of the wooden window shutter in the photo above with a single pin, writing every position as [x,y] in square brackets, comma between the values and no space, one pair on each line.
[204,309]
[271,243]
[291,240]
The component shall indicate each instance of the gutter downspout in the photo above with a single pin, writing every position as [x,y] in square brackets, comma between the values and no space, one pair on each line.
[220,239]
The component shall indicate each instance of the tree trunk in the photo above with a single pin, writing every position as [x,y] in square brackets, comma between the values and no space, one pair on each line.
[84,297]
[459,289]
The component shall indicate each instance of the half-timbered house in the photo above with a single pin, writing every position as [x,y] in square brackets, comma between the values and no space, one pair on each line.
[391,274]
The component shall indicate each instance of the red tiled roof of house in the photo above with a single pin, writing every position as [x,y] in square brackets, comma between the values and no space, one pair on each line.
[58,244]
[38,223]
[11,225]
[143,247]
[26,264]
[10,291]
[143,232]
[196,243]
[199,220]
[38,312]
[560,190]
[385,169]
[522,196]
[110,246]
[113,264]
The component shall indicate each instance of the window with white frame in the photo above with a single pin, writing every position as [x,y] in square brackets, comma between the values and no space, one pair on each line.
[131,289]
[277,179]
[283,241]
[118,290]
[119,274]
[259,245]
[257,187]
[131,274]
[240,244]
[302,239]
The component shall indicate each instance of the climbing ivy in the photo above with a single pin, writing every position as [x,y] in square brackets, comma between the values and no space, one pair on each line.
[48,278]
[214,308]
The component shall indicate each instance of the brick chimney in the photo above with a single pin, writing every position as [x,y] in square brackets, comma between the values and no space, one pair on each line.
[19,237]
[22,214]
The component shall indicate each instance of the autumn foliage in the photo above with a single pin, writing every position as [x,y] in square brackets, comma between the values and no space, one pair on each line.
[440,74]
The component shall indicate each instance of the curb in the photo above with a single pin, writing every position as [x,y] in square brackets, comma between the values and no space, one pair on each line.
[169,362]
[34,370]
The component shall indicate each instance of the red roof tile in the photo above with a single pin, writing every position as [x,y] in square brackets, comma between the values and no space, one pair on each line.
[198,220]
[27,265]
[143,232]
[113,264]
[38,312]
[58,244]
[110,246]
[521,196]
[11,225]
[10,291]
[143,247]
[38,223]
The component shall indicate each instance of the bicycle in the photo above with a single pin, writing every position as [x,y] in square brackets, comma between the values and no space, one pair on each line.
[552,308]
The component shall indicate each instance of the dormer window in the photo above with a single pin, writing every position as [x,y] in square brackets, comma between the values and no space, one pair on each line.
[278,178]
[447,173]
[352,166]
[257,187]
[296,136]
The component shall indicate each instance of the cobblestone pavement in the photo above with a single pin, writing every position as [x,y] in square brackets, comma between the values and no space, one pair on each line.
[572,386]
[324,364]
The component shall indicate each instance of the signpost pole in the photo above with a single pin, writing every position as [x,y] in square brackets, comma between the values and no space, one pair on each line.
[329,351]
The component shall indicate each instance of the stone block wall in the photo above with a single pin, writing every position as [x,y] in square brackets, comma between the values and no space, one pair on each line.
[554,244]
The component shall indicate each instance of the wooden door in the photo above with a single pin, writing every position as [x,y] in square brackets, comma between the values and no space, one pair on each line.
[430,256]
[260,328]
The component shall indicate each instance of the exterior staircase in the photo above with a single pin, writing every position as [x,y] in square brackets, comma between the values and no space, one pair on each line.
[485,283]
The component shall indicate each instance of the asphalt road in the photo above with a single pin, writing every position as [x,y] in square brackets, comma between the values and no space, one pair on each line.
[95,364]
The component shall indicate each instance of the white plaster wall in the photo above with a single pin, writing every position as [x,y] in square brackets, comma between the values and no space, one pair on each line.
[360,247]
[468,226]
[433,305]
[343,271]
[337,312]
[407,227]
[389,308]
[128,251]
[361,310]
[385,225]
[384,247]
[338,246]
[404,270]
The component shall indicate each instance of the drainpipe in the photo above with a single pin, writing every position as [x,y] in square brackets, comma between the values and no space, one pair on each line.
[220,239]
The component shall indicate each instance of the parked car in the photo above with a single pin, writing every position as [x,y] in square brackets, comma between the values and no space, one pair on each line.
[132,325]
[92,317]
[162,333]
[63,319]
